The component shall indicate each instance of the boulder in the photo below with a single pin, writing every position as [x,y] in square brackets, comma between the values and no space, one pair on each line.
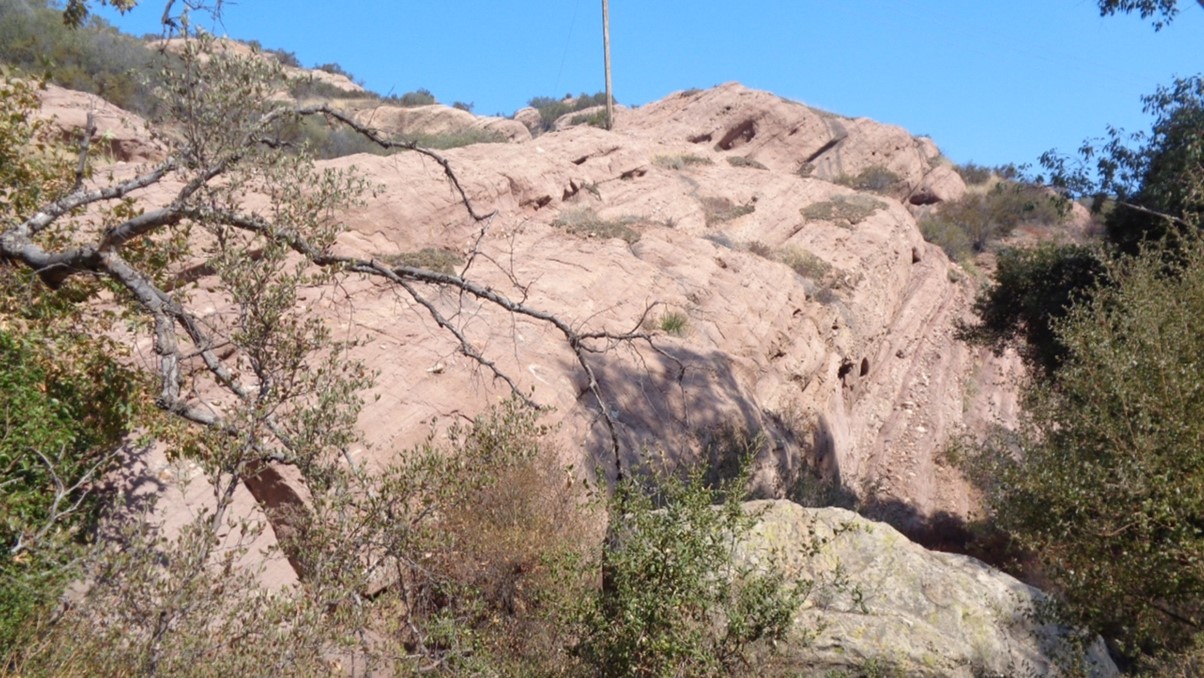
[905,609]
[438,119]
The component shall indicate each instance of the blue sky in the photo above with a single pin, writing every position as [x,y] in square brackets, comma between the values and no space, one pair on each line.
[992,82]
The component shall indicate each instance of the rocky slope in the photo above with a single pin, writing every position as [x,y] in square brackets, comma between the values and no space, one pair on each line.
[802,308]
[845,358]
[812,312]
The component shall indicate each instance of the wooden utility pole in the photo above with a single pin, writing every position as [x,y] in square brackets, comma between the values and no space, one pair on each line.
[610,99]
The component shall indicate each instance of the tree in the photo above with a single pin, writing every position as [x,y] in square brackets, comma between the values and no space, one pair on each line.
[1163,11]
[1152,185]
[265,384]
[1106,491]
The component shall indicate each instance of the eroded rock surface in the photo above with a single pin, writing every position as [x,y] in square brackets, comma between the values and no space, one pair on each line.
[814,313]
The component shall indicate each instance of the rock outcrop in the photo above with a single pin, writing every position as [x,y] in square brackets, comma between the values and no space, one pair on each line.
[122,136]
[814,313]
[844,355]
[436,119]
[907,610]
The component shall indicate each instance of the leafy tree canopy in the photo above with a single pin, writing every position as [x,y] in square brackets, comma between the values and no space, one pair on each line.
[1163,11]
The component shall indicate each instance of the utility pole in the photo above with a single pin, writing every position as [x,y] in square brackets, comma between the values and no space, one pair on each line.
[610,99]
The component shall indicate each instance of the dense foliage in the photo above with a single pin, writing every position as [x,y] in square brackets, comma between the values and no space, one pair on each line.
[94,58]
[966,226]
[672,603]
[551,109]
[1110,494]
[1104,487]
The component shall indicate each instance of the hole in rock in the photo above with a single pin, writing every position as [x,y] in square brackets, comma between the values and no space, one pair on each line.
[737,136]
[924,197]
[865,367]
[845,367]
[699,138]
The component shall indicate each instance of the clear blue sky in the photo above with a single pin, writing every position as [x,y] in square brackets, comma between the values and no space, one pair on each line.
[991,81]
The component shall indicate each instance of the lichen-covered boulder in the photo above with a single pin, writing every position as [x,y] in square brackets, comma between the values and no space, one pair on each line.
[882,601]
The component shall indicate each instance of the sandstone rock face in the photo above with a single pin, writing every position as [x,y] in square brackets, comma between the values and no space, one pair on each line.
[530,119]
[914,611]
[846,360]
[437,119]
[815,313]
[123,135]
[171,493]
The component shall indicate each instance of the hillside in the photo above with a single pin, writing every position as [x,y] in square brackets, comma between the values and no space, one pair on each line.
[750,270]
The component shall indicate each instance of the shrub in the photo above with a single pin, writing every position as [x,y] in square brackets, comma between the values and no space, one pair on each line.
[805,263]
[1106,492]
[551,109]
[335,69]
[1033,290]
[719,210]
[949,237]
[431,258]
[674,322]
[874,179]
[721,239]
[985,217]
[285,57]
[325,141]
[419,97]
[741,161]
[595,119]
[681,161]
[672,602]
[585,223]
[974,175]
[463,106]
[465,136]
[95,58]
[67,405]
[308,87]
[849,209]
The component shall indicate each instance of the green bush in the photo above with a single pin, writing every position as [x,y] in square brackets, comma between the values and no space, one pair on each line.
[949,236]
[974,175]
[681,161]
[583,222]
[308,87]
[741,161]
[95,58]
[431,258]
[719,210]
[994,214]
[335,69]
[595,119]
[419,97]
[551,109]
[1033,290]
[285,57]
[66,405]
[465,136]
[848,210]
[805,263]
[873,179]
[672,601]
[1106,492]
[674,322]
